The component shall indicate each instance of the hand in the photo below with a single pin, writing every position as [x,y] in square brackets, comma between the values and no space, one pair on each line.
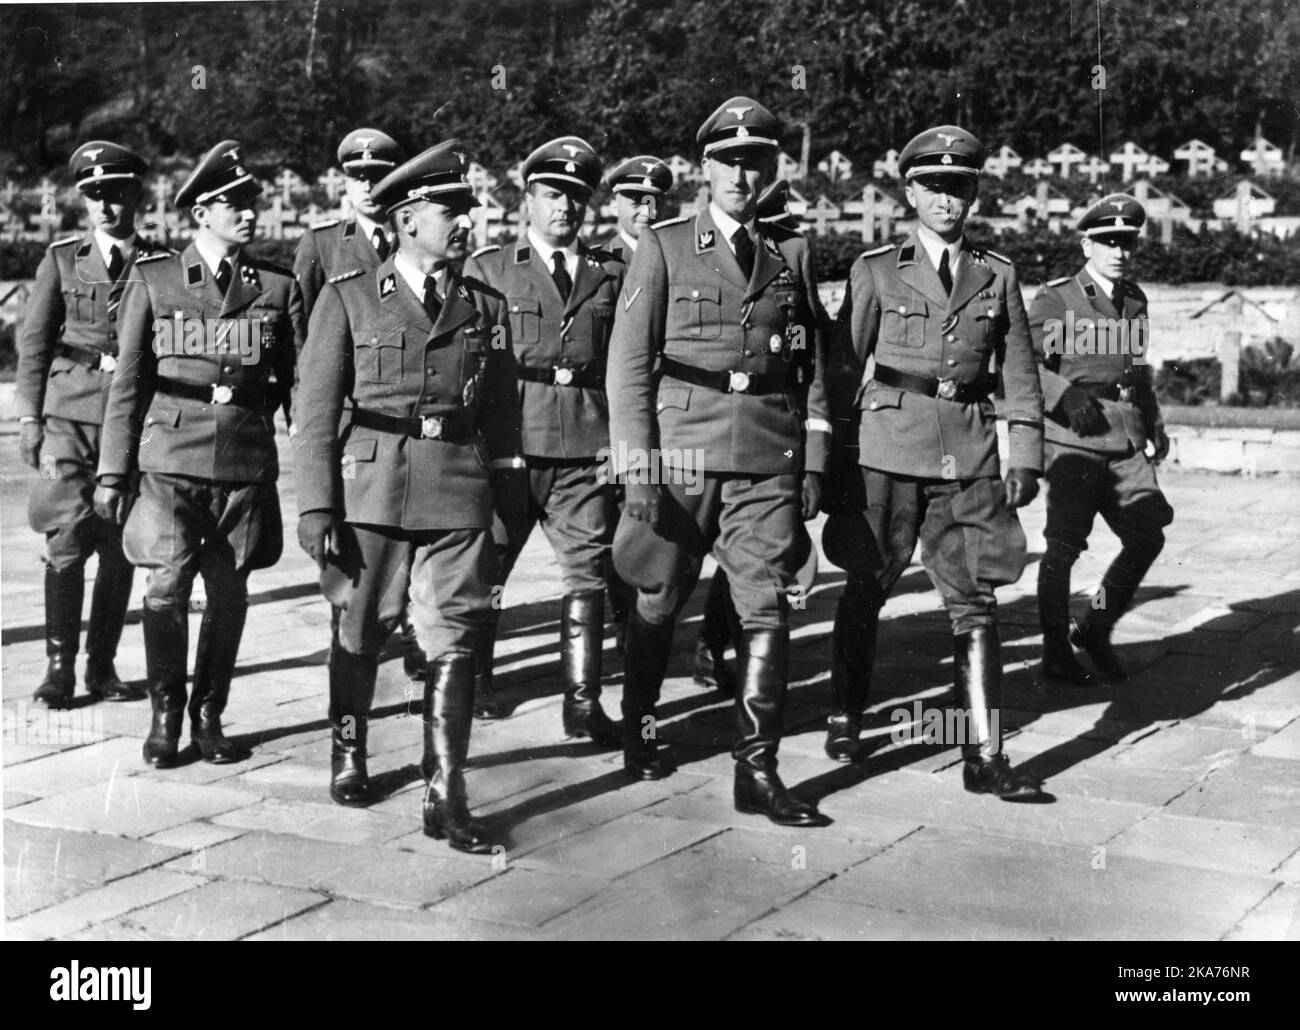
[110,504]
[642,502]
[1020,487]
[1161,441]
[30,437]
[812,494]
[1082,412]
[318,536]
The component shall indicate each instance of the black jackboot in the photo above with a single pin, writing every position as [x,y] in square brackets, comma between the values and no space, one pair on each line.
[648,649]
[760,708]
[621,599]
[977,658]
[853,655]
[582,637]
[720,626]
[352,691]
[1059,664]
[448,716]
[214,665]
[64,590]
[1118,588]
[166,644]
[486,705]
[108,604]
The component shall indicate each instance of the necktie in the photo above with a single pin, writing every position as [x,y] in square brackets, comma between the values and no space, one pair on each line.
[945,273]
[115,262]
[431,303]
[380,241]
[1117,298]
[744,251]
[223,276]
[560,273]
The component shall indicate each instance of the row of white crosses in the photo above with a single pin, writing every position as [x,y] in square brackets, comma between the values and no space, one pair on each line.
[1067,160]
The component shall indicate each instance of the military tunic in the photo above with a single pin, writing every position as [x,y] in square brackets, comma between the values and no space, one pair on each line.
[400,421]
[560,349]
[1082,340]
[191,408]
[330,249]
[711,379]
[66,354]
[929,460]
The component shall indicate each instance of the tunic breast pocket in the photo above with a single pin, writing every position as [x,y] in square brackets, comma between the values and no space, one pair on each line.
[379,356]
[902,321]
[525,320]
[79,303]
[602,323]
[989,316]
[698,311]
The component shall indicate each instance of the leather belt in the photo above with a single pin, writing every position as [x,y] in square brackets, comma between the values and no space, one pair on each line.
[215,393]
[728,382]
[587,376]
[453,427]
[944,389]
[1112,392]
[95,360]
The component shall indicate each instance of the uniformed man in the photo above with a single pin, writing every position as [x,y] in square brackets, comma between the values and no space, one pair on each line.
[66,353]
[1090,334]
[715,447]
[192,408]
[720,625]
[640,185]
[341,245]
[403,359]
[560,298]
[933,314]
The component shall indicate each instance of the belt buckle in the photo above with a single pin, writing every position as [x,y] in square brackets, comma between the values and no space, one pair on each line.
[222,394]
[1125,393]
[948,389]
[739,382]
[431,427]
[107,363]
[563,376]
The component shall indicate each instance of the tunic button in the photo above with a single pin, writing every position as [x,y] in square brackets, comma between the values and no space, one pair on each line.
[748,325]
[951,361]
[951,338]
[515,308]
[228,369]
[695,293]
[902,309]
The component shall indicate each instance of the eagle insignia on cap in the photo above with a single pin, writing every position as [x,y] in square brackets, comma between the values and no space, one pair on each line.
[364,142]
[573,151]
[739,112]
[649,167]
[460,158]
[948,138]
[233,154]
[1118,205]
[91,155]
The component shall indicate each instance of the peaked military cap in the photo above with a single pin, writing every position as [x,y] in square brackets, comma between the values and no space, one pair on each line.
[220,175]
[1117,212]
[102,161]
[945,148]
[568,159]
[739,122]
[644,173]
[436,174]
[773,205]
[369,150]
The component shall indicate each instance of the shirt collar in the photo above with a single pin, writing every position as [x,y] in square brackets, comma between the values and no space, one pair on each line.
[628,241]
[414,278]
[105,242]
[1107,286]
[368,226]
[545,250]
[213,254]
[728,225]
[934,247]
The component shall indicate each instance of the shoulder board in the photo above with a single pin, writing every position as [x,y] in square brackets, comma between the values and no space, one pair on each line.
[343,276]
[880,250]
[671,221]
[330,223]
[263,265]
[1001,257]
[486,250]
[1061,281]
[64,243]
[153,257]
